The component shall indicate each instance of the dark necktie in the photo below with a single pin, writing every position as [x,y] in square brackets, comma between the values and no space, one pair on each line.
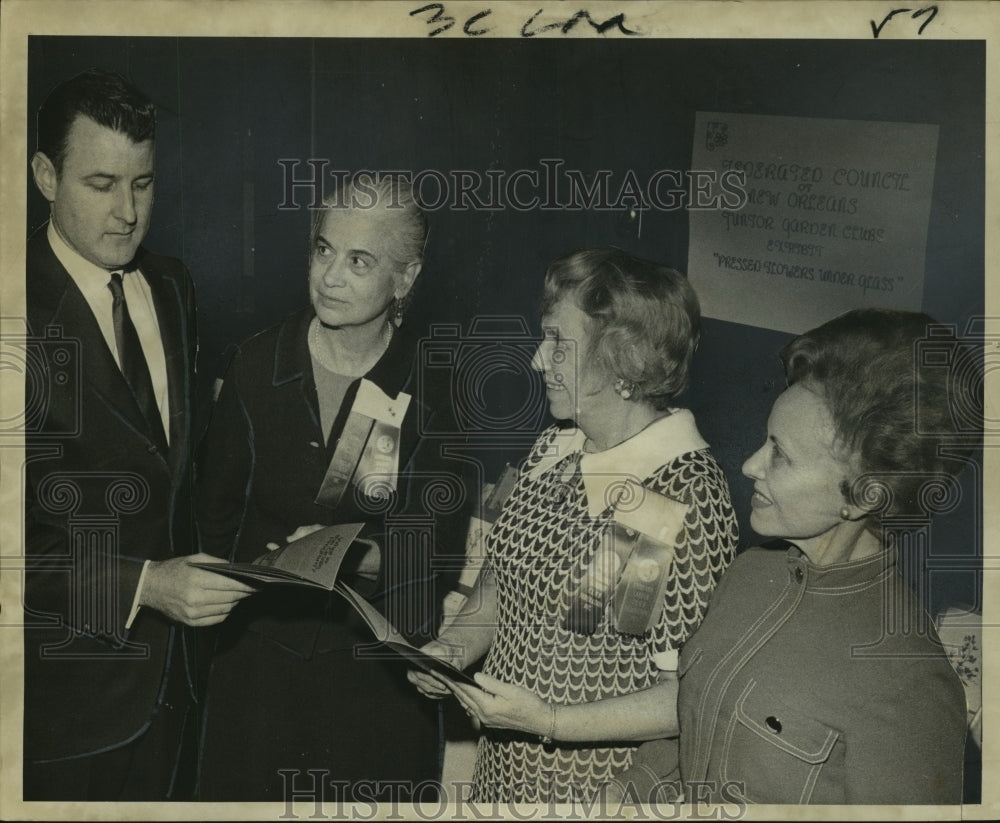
[133,362]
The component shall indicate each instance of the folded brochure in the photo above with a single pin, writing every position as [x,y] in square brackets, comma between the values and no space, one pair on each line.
[388,634]
[314,561]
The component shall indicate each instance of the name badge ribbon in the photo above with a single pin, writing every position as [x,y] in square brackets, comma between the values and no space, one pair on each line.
[632,563]
[367,452]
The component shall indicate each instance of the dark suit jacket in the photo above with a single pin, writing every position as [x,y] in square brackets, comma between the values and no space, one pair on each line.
[99,501]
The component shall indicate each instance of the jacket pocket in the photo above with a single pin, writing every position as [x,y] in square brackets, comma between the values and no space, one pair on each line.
[774,753]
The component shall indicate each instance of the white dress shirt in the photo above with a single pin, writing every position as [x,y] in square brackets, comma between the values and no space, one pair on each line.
[93,283]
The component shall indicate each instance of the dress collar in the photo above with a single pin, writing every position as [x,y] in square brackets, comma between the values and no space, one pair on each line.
[634,459]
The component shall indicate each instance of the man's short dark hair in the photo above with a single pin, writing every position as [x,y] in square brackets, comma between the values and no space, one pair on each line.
[105,97]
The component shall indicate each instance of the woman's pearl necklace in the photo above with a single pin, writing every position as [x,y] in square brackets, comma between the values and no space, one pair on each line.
[319,351]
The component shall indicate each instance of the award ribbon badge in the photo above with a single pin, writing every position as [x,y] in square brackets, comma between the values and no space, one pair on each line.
[634,560]
[367,452]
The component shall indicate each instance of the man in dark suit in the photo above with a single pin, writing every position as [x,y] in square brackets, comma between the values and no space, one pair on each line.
[108,523]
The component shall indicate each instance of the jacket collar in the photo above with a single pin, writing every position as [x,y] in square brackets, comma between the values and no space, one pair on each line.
[634,459]
[91,280]
[50,282]
[394,372]
[291,357]
[841,577]
[54,299]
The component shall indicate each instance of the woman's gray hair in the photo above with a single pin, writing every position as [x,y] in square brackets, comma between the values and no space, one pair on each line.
[392,193]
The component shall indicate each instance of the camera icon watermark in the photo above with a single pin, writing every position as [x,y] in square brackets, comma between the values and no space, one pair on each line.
[488,373]
[50,365]
[971,364]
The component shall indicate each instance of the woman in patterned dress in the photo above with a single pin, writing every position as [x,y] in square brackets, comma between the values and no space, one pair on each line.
[604,556]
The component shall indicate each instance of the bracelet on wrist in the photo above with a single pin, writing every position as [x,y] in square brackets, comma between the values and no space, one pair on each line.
[546,739]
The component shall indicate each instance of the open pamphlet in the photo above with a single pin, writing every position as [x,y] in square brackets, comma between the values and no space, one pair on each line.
[314,561]
[386,633]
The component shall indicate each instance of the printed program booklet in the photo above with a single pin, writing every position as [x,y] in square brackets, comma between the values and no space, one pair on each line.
[314,561]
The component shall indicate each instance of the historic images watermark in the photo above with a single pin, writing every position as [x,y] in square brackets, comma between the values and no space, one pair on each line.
[969,358]
[322,797]
[549,187]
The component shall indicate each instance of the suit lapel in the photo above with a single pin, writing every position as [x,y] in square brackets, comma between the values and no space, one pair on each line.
[172,322]
[55,300]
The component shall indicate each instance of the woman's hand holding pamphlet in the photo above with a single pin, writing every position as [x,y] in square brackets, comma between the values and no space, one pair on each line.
[314,561]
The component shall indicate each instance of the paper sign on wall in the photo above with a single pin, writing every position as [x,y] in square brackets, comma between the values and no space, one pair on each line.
[835,218]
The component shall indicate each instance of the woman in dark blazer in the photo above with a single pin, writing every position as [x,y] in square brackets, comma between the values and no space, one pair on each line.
[297,681]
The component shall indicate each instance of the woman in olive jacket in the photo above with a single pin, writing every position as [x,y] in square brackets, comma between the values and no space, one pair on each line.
[816,676]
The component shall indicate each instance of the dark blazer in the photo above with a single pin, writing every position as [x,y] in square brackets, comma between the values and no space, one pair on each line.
[100,499]
[298,680]
[263,460]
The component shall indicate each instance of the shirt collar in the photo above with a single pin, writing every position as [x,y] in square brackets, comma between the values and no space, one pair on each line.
[636,458]
[90,279]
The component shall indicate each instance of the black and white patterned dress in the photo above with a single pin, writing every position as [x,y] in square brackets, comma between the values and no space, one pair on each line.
[540,547]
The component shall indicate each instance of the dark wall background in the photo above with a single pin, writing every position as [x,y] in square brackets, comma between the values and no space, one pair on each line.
[231,108]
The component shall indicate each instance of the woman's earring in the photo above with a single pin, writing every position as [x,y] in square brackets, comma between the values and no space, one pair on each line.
[845,513]
[624,388]
[398,309]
